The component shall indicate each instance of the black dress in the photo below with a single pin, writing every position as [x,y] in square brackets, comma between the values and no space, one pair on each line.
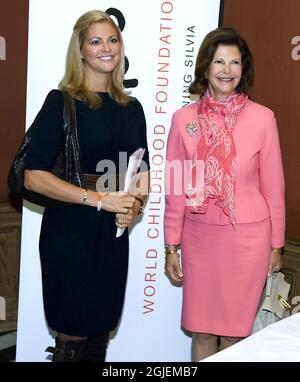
[84,266]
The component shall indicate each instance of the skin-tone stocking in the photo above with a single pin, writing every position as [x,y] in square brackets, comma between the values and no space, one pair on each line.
[225,342]
[203,345]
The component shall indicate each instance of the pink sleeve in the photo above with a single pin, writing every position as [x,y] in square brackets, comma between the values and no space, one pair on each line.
[174,189]
[272,184]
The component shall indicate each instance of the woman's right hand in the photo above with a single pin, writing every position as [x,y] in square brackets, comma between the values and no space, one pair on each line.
[118,202]
[173,268]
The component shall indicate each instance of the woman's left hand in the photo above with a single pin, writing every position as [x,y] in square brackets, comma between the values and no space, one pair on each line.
[125,220]
[275,261]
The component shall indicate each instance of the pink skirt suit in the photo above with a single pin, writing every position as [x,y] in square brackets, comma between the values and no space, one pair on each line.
[224,269]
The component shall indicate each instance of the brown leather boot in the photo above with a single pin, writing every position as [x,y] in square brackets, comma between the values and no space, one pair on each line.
[96,348]
[68,351]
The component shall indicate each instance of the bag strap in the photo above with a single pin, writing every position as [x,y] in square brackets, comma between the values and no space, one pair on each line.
[70,130]
[69,113]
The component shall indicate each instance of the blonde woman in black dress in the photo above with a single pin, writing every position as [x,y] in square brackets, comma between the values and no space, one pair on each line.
[84,265]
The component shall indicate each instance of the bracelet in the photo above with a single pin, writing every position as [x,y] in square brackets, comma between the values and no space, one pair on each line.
[170,251]
[99,203]
[84,196]
[277,250]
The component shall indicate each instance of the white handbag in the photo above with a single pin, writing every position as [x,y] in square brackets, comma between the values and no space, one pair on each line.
[273,306]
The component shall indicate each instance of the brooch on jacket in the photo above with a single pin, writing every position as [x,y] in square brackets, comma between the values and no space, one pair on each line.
[191,128]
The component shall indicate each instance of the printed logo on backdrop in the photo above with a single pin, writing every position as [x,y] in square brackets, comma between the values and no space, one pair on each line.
[161,114]
[118,15]
[2,49]
[164,24]
[189,63]
[296,50]
[2,308]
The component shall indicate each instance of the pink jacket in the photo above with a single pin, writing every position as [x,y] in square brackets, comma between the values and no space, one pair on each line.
[260,179]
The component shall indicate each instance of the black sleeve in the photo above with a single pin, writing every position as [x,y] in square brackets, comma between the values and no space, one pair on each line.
[143,136]
[47,135]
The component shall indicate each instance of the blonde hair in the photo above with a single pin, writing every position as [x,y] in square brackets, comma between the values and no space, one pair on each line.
[74,78]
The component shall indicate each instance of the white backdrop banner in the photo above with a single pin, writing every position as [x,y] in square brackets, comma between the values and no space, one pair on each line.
[161,39]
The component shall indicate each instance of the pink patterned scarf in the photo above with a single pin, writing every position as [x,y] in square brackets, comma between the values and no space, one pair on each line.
[216,149]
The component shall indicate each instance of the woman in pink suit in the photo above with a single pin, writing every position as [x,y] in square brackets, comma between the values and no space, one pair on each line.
[224,197]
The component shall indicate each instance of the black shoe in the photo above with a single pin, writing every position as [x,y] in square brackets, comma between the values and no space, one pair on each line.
[96,348]
[68,351]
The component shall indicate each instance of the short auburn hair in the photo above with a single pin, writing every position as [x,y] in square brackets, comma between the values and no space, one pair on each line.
[222,36]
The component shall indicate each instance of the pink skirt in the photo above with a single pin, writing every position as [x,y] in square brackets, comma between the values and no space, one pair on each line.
[224,272]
